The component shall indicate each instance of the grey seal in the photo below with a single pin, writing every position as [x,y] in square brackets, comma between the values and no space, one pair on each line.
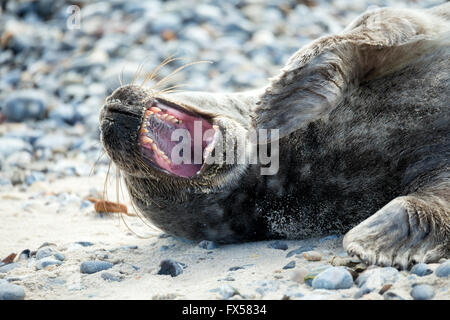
[364,145]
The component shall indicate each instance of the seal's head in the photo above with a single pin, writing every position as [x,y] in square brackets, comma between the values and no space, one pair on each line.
[146,134]
[172,150]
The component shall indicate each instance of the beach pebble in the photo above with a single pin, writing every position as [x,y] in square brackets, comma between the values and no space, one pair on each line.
[170,267]
[59,256]
[329,238]
[84,243]
[9,291]
[292,293]
[239,267]
[47,261]
[312,256]
[94,266]
[391,295]
[25,104]
[8,267]
[209,245]
[236,268]
[313,273]
[421,269]
[280,245]
[443,270]
[227,291]
[44,252]
[422,292]
[290,265]
[132,247]
[333,278]
[126,268]
[299,251]
[111,277]
[34,176]
[374,279]
[10,146]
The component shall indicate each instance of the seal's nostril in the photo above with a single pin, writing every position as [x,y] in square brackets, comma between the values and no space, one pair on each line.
[111,99]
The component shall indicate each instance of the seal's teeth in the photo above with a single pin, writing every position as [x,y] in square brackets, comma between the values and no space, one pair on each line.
[164,157]
[164,116]
[179,121]
[174,120]
[160,152]
[170,117]
[155,109]
[143,131]
[215,127]
[147,140]
[154,147]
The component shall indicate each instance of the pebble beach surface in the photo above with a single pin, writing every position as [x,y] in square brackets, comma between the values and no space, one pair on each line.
[54,77]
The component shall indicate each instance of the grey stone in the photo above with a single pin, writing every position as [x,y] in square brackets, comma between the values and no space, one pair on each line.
[421,269]
[328,238]
[34,177]
[129,247]
[227,291]
[25,104]
[443,270]
[59,256]
[209,245]
[12,145]
[84,243]
[333,278]
[94,266]
[375,278]
[299,250]
[10,291]
[290,265]
[55,142]
[8,267]
[170,267]
[44,252]
[280,245]
[166,21]
[111,277]
[235,268]
[47,261]
[390,295]
[422,292]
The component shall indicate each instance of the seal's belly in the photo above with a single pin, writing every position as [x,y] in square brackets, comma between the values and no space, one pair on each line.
[376,145]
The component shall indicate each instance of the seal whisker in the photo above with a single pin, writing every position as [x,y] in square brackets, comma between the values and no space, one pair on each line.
[152,75]
[166,90]
[165,79]
[139,70]
[102,153]
[104,196]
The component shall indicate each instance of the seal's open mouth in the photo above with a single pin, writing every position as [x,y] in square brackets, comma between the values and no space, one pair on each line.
[158,130]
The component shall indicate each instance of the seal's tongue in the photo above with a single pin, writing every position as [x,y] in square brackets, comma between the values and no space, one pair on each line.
[174,140]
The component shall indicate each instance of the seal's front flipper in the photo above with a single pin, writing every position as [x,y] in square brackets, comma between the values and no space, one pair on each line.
[318,76]
[408,230]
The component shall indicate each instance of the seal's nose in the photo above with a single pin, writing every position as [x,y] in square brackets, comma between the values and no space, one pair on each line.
[128,100]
